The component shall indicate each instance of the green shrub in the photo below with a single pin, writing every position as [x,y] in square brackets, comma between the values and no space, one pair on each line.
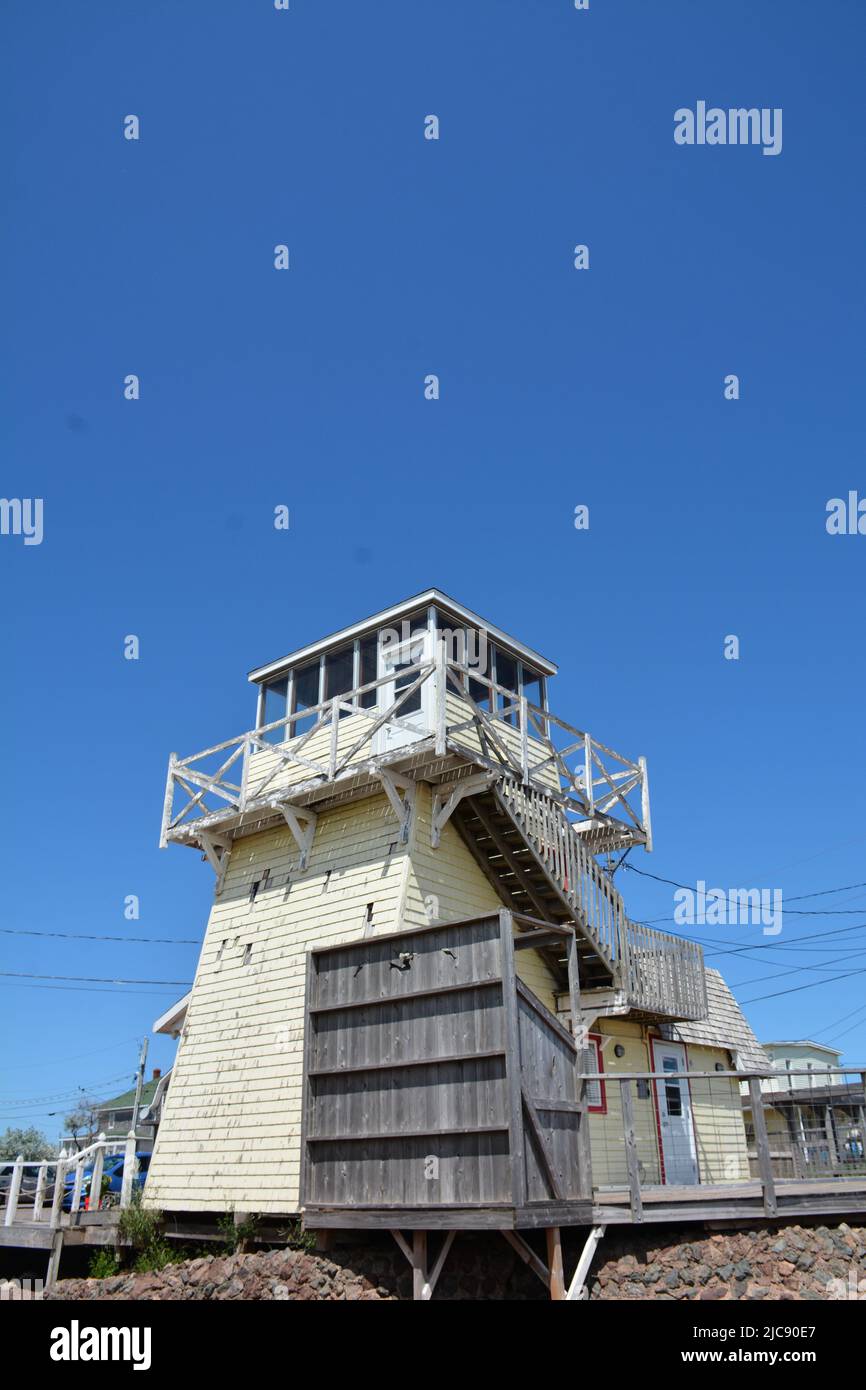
[156,1256]
[141,1227]
[296,1238]
[235,1234]
[103,1263]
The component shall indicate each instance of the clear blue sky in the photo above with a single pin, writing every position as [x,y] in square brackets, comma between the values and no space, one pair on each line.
[558,387]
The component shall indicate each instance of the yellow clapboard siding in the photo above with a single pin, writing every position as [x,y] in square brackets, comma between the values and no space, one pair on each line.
[233,1108]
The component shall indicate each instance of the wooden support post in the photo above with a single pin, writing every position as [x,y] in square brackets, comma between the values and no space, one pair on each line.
[645,806]
[440,1261]
[512,1061]
[54,1259]
[440,690]
[528,1256]
[581,1060]
[95,1197]
[554,1263]
[75,1205]
[335,734]
[419,1264]
[762,1144]
[524,739]
[576,1289]
[14,1190]
[168,801]
[39,1195]
[59,1185]
[245,773]
[631,1158]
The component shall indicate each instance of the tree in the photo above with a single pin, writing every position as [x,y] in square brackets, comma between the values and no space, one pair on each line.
[81,1122]
[30,1143]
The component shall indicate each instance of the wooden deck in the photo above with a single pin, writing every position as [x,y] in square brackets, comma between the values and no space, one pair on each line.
[705,1201]
[84,1228]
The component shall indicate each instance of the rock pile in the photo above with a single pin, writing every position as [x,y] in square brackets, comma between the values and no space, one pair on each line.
[788,1262]
[771,1262]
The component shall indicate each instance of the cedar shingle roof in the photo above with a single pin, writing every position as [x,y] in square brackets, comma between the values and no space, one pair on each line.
[725,1026]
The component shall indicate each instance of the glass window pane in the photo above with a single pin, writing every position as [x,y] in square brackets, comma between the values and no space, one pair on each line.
[339,670]
[506,671]
[307,686]
[369,671]
[413,703]
[506,675]
[532,687]
[276,693]
[480,693]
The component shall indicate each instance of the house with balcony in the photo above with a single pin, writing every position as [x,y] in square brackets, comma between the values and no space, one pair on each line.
[421,1003]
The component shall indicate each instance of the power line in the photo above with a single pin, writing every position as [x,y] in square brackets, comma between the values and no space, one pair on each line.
[67,1094]
[795,989]
[94,979]
[796,970]
[816,1032]
[83,989]
[847,887]
[79,1056]
[796,911]
[81,936]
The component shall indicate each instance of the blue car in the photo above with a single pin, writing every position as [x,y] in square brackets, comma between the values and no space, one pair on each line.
[113,1171]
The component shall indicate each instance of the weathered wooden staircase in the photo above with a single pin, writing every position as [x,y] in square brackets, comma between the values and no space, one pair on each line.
[528,848]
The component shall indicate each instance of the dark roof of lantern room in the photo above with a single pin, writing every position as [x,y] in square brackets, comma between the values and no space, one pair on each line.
[447,606]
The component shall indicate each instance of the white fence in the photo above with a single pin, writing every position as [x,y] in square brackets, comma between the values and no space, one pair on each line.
[45,1201]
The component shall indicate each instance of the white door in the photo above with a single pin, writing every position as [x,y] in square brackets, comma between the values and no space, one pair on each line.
[412,721]
[675,1115]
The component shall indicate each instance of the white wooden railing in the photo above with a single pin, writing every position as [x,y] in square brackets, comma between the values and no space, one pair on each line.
[603,793]
[17,1208]
[658,973]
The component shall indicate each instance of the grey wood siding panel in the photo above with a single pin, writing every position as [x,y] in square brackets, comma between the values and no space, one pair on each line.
[390,1126]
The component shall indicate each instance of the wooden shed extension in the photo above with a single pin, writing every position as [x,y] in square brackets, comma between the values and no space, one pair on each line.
[439,1092]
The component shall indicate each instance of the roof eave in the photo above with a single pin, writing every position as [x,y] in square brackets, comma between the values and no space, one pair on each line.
[395,612]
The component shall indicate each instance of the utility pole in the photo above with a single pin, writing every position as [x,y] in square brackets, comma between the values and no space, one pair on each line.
[139,1082]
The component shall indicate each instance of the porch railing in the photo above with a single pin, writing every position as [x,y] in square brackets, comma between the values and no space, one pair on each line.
[44,1198]
[658,973]
[717,1133]
[601,791]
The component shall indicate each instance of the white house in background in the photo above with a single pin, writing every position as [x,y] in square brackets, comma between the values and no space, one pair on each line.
[799,1056]
[815,1114]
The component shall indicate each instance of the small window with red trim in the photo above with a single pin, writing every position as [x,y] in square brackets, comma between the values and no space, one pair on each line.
[596,1095]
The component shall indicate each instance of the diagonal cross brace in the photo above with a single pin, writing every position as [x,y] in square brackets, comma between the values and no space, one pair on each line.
[447,797]
[216,851]
[392,785]
[303,833]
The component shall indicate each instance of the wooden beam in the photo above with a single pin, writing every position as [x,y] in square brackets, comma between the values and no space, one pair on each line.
[392,785]
[631,1158]
[508,855]
[447,797]
[419,1265]
[210,844]
[541,1145]
[576,1288]
[554,1263]
[403,1244]
[304,834]
[765,1162]
[528,1256]
[483,862]
[440,1261]
[512,1060]
[54,1259]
